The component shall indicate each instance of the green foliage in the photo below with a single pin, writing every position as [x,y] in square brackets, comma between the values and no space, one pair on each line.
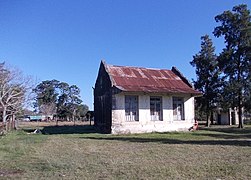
[55,97]
[46,92]
[207,73]
[81,111]
[229,73]
[234,60]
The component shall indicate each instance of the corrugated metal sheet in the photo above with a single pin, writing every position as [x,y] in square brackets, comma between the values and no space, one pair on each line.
[134,79]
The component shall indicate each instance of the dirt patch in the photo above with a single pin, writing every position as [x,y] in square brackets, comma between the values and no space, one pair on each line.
[25,124]
[10,172]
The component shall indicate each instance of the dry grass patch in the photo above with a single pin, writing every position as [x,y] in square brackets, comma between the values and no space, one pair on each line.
[204,154]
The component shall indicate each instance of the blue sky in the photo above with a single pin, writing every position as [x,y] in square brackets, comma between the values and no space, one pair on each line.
[67,39]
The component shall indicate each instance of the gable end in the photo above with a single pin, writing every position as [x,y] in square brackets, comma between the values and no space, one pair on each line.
[182,77]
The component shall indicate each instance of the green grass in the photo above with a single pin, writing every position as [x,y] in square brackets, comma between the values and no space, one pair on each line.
[79,153]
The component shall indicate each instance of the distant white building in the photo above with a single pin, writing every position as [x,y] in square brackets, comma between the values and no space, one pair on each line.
[229,117]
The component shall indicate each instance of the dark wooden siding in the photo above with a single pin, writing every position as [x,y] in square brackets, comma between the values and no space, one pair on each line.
[103,101]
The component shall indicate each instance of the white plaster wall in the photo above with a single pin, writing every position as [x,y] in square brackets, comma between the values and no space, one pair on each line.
[236,116]
[167,104]
[144,125]
[189,109]
[225,118]
[144,106]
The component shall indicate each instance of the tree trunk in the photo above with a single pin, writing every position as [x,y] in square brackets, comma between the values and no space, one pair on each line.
[240,117]
[211,118]
[4,115]
[240,108]
[240,95]
[5,123]
[12,121]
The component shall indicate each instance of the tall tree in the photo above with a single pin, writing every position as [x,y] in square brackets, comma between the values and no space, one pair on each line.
[207,75]
[234,60]
[81,111]
[55,97]
[46,97]
[62,109]
[68,101]
[13,91]
[74,100]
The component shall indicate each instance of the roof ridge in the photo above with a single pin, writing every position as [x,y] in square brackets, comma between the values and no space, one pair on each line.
[136,67]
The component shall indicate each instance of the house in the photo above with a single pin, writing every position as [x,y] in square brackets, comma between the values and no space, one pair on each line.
[138,100]
[229,117]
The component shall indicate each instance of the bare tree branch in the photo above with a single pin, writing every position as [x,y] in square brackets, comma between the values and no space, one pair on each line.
[14,90]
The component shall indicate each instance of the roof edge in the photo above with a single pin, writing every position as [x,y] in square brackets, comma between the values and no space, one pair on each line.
[183,78]
[107,71]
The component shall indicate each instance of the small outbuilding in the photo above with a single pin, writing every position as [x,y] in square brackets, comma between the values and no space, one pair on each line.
[229,117]
[139,100]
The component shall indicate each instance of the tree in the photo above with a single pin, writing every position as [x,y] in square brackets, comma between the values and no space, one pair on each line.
[82,109]
[234,60]
[55,97]
[46,97]
[48,109]
[68,100]
[14,88]
[62,109]
[74,100]
[207,73]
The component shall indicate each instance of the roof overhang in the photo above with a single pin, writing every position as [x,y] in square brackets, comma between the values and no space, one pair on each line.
[157,90]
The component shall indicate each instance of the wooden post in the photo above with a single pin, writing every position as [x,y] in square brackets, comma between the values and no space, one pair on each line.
[230,116]
[90,119]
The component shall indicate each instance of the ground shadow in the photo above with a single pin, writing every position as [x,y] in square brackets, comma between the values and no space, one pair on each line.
[175,141]
[228,129]
[77,129]
[226,136]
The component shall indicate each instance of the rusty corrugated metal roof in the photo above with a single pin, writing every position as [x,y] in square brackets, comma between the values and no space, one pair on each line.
[135,79]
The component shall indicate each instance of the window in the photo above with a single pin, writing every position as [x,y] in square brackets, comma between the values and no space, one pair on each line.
[178,108]
[131,108]
[156,108]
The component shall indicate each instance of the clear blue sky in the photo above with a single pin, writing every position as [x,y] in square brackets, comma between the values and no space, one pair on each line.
[67,39]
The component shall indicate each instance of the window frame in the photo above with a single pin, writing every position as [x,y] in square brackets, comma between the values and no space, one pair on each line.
[178,106]
[131,110]
[156,114]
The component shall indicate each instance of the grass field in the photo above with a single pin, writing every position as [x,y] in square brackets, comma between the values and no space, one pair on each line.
[77,152]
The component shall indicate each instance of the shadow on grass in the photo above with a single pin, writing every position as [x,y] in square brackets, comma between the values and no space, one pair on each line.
[228,129]
[226,132]
[175,141]
[227,136]
[77,129]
